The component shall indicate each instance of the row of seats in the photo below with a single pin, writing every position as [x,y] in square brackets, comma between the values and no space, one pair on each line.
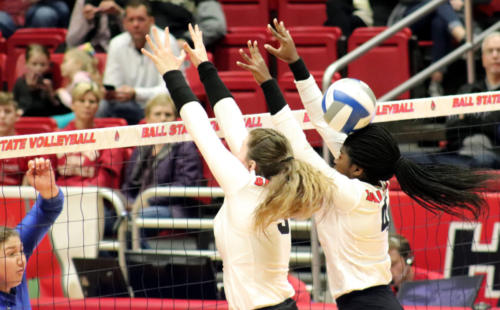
[27,125]
[259,12]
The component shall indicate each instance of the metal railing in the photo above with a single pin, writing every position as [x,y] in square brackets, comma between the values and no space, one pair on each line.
[185,223]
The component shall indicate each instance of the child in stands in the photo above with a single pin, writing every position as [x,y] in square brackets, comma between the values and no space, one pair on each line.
[34,91]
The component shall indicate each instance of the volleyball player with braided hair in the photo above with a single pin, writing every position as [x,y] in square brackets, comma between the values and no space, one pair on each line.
[263,184]
[353,231]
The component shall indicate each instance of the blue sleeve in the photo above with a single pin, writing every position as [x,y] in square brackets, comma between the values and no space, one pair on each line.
[37,222]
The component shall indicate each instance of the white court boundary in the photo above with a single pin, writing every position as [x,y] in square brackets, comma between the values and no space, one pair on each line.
[147,134]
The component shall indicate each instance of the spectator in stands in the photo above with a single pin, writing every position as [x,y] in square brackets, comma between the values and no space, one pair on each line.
[78,66]
[34,91]
[17,245]
[348,14]
[132,74]
[402,263]
[381,10]
[95,21]
[102,168]
[32,14]
[11,169]
[471,138]
[90,168]
[441,26]
[176,15]
[170,164]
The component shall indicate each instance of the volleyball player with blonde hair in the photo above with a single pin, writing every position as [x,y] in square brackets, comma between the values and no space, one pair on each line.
[353,231]
[264,184]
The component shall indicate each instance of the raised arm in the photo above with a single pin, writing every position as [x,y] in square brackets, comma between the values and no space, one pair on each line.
[282,116]
[226,110]
[309,92]
[48,205]
[226,168]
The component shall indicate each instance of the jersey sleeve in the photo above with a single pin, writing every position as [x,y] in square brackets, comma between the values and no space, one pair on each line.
[226,168]
[311,97]
[347,192]
[226,110]
[38,221]
[285,122]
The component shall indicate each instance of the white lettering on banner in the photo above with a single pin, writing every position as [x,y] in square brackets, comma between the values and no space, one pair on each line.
[147,134]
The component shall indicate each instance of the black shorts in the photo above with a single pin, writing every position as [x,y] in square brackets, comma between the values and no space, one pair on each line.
[288,304]
[377,297]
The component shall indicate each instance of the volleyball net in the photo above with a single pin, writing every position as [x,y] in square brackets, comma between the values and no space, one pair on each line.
[103,248]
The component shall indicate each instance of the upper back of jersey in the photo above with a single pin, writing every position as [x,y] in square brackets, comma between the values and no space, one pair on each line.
[255,263]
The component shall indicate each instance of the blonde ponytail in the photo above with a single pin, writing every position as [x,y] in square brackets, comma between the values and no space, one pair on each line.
[295,189]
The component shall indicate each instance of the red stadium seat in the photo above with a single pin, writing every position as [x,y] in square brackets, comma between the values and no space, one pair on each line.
[246,12]
[246,92]
[302,12]
[17,43]
[227,50]
[385,66]
[317,45]
[33,125]
[110,122]
[101,61]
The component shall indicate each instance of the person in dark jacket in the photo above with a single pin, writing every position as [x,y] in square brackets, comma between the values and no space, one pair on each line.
[170,164]
[473,136]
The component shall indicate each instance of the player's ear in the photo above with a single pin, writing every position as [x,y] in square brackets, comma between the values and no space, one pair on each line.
[356,172]
[252,165]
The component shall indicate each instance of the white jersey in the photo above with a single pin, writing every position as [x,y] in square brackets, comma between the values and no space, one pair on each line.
[354,230]
[255,264]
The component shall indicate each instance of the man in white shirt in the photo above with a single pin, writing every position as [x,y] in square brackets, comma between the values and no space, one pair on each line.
[131,78]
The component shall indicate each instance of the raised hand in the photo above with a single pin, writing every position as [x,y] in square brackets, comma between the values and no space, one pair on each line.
[41,176]
[199,53]
[162,56]
[255,63]
[287,50]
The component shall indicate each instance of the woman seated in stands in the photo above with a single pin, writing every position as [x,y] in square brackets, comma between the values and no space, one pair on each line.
[100,168]
[169,164]
[89,168]
[17,245]
[402,263]
[78,66]
[34,91]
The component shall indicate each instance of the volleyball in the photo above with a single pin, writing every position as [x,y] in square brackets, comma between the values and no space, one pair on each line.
[349,105]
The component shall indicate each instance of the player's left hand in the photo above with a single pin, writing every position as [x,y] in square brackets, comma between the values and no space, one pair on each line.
[41,176]
[199,53]
[287,50]
[255,63]
[162,56]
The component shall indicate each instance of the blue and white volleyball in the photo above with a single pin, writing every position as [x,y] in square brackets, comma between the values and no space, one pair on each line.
[349,105]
